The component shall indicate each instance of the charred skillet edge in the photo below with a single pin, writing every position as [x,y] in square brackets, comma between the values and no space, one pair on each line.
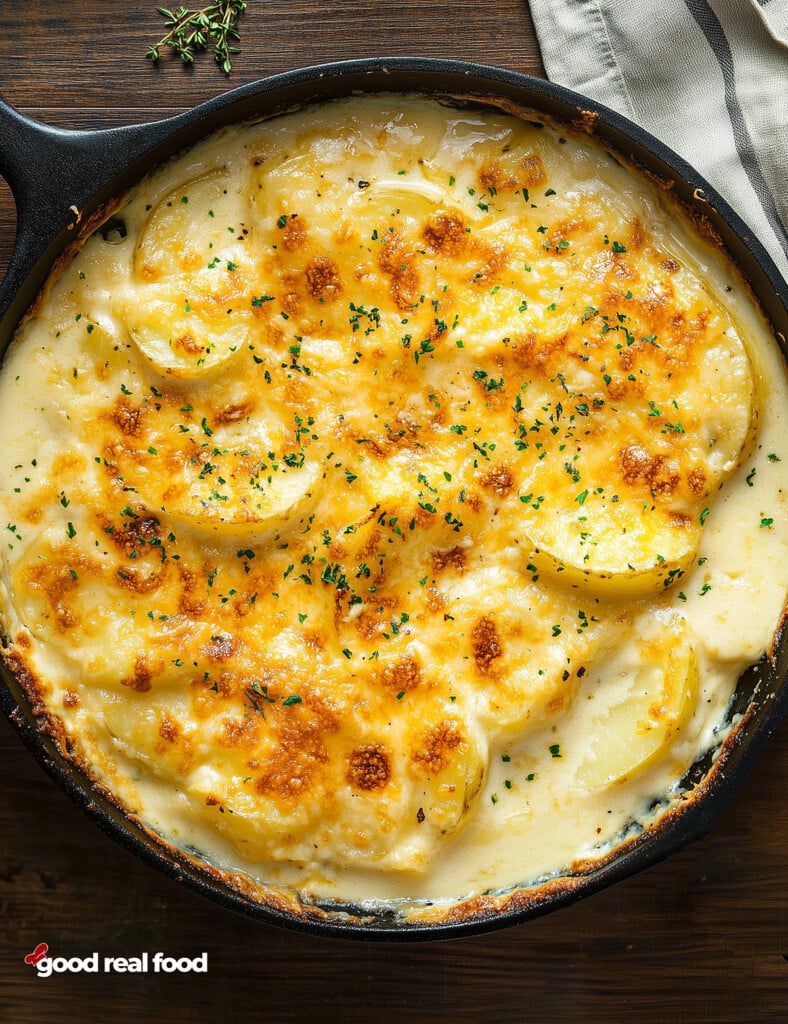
[102,166]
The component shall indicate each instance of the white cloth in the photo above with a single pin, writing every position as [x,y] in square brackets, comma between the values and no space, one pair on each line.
[708,77]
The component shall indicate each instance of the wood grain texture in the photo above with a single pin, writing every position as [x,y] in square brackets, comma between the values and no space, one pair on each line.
[700,938]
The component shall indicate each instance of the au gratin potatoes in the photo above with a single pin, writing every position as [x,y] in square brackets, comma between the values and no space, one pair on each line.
[393,498]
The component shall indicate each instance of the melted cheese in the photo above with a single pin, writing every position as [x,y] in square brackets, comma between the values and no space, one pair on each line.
[394,503]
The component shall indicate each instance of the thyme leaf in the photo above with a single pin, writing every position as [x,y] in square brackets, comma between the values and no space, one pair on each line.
[191,31]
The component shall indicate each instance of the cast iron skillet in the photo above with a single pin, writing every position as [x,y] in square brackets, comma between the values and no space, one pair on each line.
[61,181]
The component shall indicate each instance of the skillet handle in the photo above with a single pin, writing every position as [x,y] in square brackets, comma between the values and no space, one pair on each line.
[52,173]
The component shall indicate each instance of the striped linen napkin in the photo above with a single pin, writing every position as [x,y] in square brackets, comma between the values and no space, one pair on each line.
[707,77]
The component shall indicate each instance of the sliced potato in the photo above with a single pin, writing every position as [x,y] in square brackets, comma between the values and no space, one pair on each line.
[191,227]
[70,598]
[228,491]
[385,198]
[188,334]
[621,549]
[728,390]
[154,732]
[527,656]
[658,694]
[257,825]
[244,473]
[449,780]
[434,790]
[189,309]
[245,501]
[280,193]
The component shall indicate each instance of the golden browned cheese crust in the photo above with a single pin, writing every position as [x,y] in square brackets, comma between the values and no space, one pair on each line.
[374,434]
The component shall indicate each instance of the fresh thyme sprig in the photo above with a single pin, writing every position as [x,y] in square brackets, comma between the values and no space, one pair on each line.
[190,32]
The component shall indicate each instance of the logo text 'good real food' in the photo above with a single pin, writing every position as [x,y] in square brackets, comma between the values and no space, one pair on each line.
[156,963]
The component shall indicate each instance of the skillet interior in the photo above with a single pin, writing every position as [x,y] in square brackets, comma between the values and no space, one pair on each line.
[103,165]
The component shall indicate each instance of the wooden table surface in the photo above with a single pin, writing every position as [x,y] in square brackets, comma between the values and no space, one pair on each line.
[702,937]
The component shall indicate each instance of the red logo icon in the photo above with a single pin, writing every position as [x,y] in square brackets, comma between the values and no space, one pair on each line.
[38,953]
